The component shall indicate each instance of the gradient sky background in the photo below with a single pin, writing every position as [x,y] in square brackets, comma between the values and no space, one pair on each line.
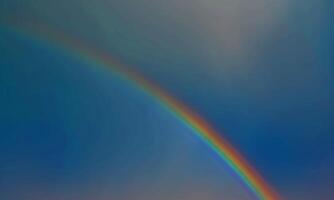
[260,71]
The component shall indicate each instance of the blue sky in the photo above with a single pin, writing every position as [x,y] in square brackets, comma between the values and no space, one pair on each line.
[260,72]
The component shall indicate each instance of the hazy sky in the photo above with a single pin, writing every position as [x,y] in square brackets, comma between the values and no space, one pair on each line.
[260,71]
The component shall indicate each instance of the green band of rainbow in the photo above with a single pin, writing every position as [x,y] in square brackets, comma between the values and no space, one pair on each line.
[199,126]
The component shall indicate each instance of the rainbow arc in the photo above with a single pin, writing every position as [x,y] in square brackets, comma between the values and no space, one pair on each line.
[249,176]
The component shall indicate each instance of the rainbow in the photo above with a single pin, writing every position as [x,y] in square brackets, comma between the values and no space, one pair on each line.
[249,176]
